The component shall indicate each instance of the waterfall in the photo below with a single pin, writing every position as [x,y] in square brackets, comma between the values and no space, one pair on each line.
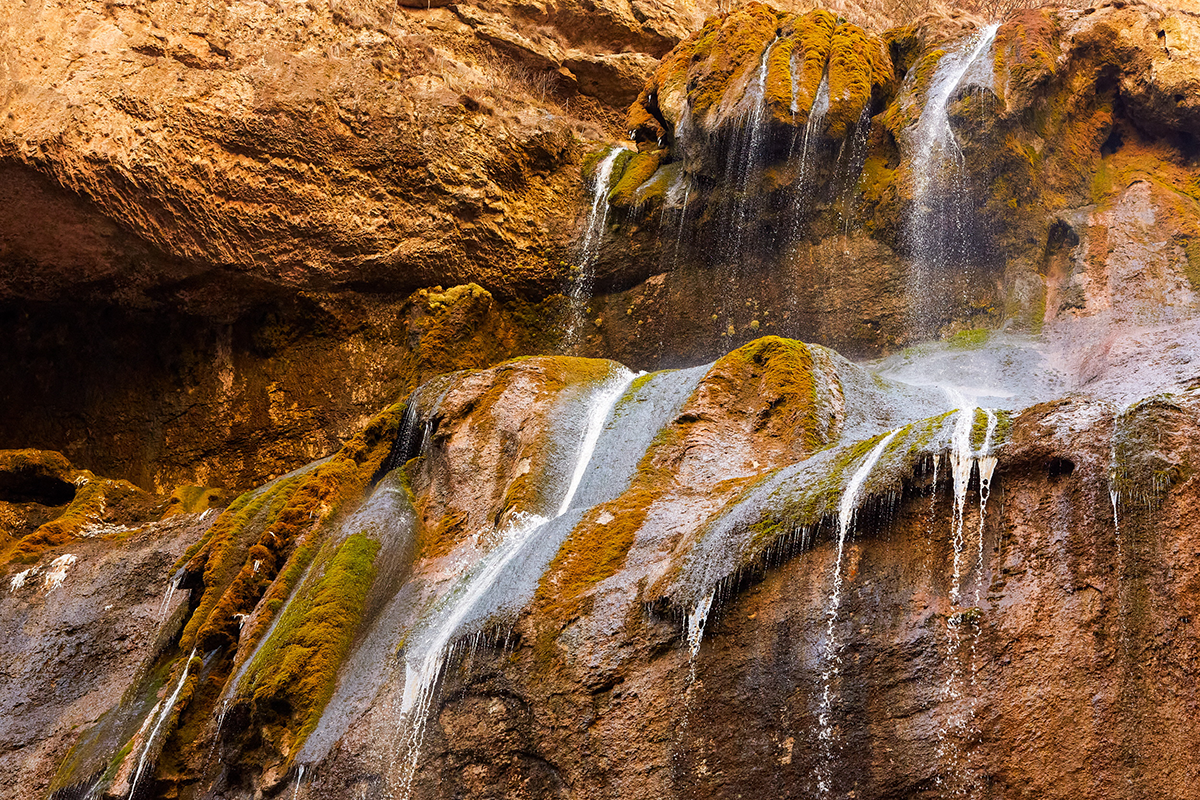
[812,129]
[937,226]
[847,509]
[750,157]
[172,587]
[425,664]
[299,779]
[696,622]
[743,164]
[962,463]
[859,146]
[580,293]
[166,709]
[987,468]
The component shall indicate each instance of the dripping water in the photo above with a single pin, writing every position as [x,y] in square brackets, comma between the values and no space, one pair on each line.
[167,707]
[847,509]
[580,293]
[987,468]
[962,462]
[805,183]
[424,669]
[937,227]
[299,779]
[750,162]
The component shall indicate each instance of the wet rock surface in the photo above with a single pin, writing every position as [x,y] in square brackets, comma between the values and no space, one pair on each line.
[809,213]
[965,570]
[80,627]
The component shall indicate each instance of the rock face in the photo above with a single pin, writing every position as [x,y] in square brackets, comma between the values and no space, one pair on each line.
[832,180]
[257,190]
[82,626]
[779,571]
[233,234]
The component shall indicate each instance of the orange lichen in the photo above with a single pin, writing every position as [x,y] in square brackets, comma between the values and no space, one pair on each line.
[95,501]
[859,67]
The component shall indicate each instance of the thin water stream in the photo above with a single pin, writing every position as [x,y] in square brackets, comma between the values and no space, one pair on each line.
[425,663]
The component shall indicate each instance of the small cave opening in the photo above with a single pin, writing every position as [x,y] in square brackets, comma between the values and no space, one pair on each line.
[1113,143]
[1059,467]
[29,486]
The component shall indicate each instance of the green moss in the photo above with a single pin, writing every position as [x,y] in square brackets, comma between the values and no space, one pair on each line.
[242,559]
[858,67]
[906,108]
[297,668]
[638,170]
[737,47]
[596,548]
[783,369]
[904,45]
[970,339]
[980,425]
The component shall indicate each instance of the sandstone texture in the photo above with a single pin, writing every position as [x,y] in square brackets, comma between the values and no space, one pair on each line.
[306,499]
[214,185]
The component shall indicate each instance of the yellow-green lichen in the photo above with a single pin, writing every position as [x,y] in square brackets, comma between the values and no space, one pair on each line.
[638,170]
[858,67]
[296,669]
[813,36]
[783,369]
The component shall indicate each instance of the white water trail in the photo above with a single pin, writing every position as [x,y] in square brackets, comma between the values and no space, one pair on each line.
[299,779]
[847,509]
[937,227]
[962,462]
[423,672]
[172,585]
[751,156]
[934,138]
[581,287]
[167,708]
[987,468]
[695,626]
[225,703]
[816,117]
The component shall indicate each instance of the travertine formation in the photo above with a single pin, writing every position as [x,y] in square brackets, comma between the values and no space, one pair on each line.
[310,502]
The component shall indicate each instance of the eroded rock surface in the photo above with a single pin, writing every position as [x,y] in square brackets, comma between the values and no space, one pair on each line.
[782,155]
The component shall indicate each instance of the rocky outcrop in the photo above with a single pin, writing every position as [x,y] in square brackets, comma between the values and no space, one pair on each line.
[256,191]
[965,570]
[793,204]
[84,624]
[525,570]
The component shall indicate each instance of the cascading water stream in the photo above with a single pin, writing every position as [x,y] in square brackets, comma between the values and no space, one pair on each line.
[423,669]
[962,462]
[936,229]
[808,140]
[167,707]
[580,292]
[299,780]
[172,587]
[847,509]
[987,468]
[743,165]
